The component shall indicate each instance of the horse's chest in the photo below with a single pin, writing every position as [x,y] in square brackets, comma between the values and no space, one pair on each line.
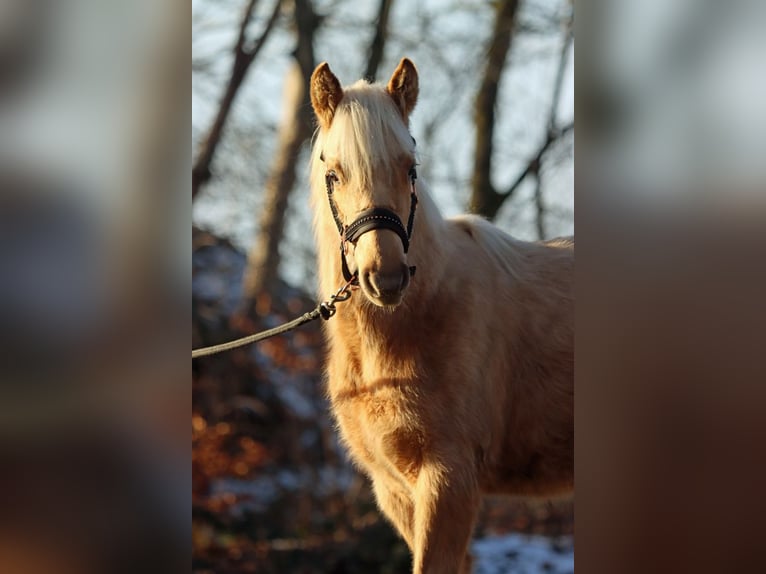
[382,429]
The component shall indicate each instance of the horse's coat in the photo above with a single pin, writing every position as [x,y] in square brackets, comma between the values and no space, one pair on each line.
[458,381]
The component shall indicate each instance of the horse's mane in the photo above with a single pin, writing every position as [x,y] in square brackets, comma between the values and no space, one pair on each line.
[506,251]
[503,249]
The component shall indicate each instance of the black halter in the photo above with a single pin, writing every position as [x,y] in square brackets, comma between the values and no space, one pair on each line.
[375,218]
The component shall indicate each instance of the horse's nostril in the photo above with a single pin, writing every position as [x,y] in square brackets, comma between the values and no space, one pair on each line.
[389,283]
[405,277]
[367,280]
[385,288]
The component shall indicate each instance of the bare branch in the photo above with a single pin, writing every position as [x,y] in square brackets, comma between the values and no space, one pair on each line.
[562,66]
[553,134]
[243,57]
[378,41]
[247,16]
[533,166]
[552,131]
[252,52]
[483,195]
[540,207]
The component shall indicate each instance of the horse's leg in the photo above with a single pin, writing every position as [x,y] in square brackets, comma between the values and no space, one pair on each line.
[446,506]
[397,505]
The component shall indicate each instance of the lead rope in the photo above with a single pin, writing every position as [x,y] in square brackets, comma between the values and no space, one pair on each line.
[325,310]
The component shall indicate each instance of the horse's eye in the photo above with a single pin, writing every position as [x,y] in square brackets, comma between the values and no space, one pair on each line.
[413,173]
[332,175]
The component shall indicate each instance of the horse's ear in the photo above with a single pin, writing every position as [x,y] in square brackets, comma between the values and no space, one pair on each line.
[326,94]
[403,87]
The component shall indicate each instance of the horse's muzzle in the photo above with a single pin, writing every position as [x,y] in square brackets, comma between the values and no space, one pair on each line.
[385,289]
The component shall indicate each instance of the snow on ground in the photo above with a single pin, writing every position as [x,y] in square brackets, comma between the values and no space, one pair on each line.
[519,554]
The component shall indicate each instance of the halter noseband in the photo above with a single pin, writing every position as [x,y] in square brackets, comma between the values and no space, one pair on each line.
[375,218]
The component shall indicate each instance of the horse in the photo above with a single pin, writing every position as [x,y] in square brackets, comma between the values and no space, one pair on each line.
[450,370]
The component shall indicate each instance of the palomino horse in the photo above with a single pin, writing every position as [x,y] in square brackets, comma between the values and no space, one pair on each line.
[453,381]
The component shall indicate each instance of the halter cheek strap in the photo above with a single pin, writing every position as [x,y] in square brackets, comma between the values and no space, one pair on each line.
[370,219]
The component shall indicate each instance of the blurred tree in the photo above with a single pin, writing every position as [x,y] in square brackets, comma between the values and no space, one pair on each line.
[375,53]
[553,133]
[294,130]
[245,52]
[485,198]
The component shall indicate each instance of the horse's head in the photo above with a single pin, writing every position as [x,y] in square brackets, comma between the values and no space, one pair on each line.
[366,156]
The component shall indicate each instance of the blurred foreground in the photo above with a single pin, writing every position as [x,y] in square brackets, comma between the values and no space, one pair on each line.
[94,400]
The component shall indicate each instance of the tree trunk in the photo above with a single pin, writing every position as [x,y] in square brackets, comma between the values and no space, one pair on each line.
[375,53]
[294,130]
[484,198]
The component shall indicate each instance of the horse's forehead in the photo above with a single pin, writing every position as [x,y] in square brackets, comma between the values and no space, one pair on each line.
[375,157]
[368,138]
